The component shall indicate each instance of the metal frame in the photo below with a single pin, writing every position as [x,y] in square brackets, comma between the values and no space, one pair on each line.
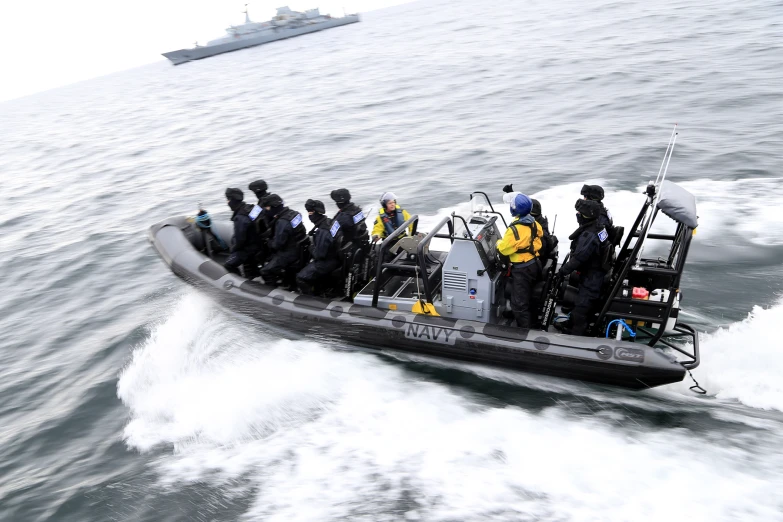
[483,255]
[630,260]
[683,330]
[421,264]
[491,208]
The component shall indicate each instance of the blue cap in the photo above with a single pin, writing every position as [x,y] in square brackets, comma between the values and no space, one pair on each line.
[521,205]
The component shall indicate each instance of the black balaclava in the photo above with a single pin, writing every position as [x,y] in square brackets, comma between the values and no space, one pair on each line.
[234,197]
[259,188]
[587,211]
[341,197]
[274,202]
[318,210]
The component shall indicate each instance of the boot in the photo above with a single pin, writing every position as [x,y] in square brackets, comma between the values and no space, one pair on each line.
[250,271]
[523,320]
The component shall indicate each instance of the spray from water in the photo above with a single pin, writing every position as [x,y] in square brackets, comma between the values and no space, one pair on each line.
[304,432]
[743,362]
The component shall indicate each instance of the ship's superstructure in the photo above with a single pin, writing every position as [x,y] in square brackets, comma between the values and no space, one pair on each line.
[285,24]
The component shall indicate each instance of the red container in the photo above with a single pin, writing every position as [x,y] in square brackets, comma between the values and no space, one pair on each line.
[640,293]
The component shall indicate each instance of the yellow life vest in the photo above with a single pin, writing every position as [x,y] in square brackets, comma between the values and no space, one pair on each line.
[529,251]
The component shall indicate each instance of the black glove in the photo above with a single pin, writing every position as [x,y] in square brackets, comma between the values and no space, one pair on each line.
[563,271]
[508,188]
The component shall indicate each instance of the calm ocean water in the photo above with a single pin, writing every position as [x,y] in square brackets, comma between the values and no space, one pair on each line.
[126,395]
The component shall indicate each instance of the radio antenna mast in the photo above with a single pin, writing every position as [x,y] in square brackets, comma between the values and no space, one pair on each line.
[667,157]
[670,145]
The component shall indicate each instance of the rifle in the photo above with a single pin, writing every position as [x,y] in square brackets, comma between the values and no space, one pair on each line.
[551,299]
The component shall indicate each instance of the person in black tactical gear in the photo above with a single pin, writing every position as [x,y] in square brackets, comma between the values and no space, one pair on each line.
[589,246]
[326,236]
[259,188]
[350,217]
[596,193]
[245,246]
[549,242]
[288,231]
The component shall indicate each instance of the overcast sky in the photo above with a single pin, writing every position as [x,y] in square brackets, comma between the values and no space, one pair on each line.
[49,43]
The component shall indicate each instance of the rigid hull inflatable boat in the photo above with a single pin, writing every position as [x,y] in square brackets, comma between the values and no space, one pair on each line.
[452,302]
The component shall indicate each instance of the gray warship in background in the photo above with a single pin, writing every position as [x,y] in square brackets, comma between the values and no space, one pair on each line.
[285,24]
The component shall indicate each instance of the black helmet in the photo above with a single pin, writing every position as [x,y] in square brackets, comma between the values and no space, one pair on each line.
[593,192]
[272,200]
[536,210]
[588,208]
[258,187]
[313,205]
[341,196]
[234,194]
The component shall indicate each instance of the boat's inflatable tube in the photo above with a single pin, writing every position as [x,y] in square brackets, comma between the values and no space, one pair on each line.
[604,361]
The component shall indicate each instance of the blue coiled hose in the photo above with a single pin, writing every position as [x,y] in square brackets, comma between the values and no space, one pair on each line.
[620,324]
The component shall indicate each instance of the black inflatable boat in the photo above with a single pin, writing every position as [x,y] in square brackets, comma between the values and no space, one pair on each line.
[451,302]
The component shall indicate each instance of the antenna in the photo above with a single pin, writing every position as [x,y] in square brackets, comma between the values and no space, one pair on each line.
[668,146]
[670,150]
[247,16]
[667,157]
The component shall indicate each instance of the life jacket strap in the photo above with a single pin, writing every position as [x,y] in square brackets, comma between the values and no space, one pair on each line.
[530,249]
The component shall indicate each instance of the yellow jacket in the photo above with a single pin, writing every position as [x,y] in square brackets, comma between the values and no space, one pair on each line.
[516,247]
[380,228]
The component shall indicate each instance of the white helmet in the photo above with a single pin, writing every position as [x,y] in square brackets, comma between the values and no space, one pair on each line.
[387,196]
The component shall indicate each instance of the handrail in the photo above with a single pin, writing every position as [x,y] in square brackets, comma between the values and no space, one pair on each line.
[421,265]
[385,246]
[454,215]
[688,330]
[420,254]
[470,237]
[491,208]
[635,226]
[682,230]
[683,330]
[668,237]
[485,195]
